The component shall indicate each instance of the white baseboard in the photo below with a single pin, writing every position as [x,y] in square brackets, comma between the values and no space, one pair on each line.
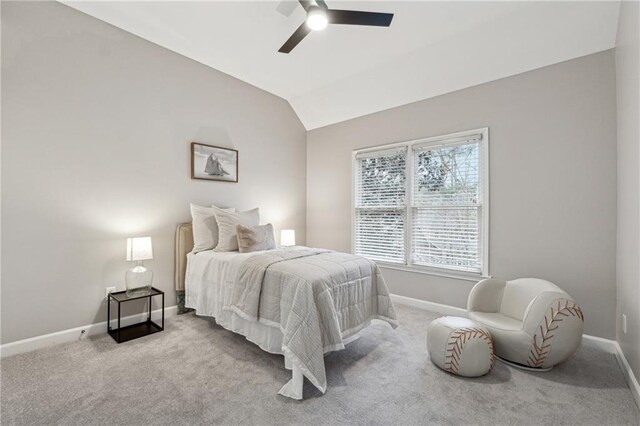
[628,374]
[428,306]
[78,333]
[607,345]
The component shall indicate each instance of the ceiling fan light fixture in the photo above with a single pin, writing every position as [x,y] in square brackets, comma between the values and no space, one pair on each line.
[317,19]
[319,15]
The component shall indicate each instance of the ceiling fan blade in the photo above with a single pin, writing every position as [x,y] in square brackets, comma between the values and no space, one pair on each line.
[353,17]
[295,38]
[322,4]
[306,4]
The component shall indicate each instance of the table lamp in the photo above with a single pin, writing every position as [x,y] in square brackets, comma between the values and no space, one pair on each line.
[138,279]
[287,238]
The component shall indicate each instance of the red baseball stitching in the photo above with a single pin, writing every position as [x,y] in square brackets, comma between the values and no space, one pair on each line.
[541,346]
[455,346]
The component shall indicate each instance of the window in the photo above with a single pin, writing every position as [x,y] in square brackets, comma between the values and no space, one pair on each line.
[422,204]
[381,205]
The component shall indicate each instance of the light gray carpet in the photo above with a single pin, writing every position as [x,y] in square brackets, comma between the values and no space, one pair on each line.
[195,372]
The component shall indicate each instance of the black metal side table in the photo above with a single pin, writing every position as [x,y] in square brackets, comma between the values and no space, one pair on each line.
[130,332]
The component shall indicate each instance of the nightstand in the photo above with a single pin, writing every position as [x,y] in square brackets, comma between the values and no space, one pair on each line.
[130,332]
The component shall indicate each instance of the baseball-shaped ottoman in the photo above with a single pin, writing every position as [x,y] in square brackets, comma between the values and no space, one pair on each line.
[460,346]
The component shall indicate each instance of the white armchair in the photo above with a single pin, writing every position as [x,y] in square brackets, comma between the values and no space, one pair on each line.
[533,322]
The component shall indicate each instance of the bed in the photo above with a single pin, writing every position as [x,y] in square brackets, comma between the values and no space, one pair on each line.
[297,301]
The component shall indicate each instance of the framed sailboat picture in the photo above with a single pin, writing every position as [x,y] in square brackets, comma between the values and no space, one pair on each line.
[213,163]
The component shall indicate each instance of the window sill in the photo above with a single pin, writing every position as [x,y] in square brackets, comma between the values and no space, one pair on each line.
[426,271]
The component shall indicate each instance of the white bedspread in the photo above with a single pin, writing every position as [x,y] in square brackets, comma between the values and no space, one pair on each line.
[206,283]
[316,298]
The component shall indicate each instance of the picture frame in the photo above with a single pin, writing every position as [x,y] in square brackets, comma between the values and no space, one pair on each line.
[215,163]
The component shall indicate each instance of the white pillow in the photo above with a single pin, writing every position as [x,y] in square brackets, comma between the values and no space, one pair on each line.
[205,227]
[227,222]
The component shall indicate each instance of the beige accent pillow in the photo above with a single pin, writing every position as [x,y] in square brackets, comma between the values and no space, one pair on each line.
[255,238]
[205,227]
[227,222]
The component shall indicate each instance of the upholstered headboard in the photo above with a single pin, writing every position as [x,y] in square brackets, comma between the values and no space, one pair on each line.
[184,244]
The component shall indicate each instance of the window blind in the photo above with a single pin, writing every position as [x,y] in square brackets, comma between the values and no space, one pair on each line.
[423,204]
[380,204]
[447,206]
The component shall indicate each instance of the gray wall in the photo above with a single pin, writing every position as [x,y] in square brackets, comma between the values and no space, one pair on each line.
[628,272]
[95,141]
[552,176]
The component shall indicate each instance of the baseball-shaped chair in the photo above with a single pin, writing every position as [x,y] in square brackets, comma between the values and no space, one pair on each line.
[533,322]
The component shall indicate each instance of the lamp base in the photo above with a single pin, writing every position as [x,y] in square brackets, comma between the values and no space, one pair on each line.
[138,280]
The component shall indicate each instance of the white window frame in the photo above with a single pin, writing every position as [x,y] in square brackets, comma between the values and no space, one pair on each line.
[441,140]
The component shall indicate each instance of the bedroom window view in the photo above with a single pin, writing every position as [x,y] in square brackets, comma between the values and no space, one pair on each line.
[381,205]
[445,224]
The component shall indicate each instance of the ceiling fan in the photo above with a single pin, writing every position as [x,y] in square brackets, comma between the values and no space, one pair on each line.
[319,15]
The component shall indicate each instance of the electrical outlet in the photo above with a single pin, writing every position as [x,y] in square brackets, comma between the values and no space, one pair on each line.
[108,290]
[624,323]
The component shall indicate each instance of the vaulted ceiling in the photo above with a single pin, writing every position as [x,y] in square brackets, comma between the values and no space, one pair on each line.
[345,72]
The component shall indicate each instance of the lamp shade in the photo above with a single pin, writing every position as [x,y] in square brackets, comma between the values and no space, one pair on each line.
[287,237]
[139,248]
